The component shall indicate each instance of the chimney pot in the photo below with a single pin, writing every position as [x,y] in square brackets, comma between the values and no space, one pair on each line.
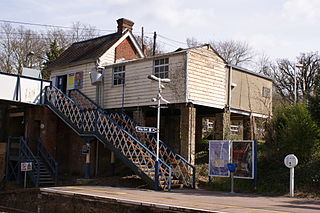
[124,24]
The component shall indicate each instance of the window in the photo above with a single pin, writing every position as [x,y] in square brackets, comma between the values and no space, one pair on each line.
[119,75]
[161,68]
[265,92]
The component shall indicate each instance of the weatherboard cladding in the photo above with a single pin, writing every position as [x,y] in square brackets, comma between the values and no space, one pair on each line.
[85,51]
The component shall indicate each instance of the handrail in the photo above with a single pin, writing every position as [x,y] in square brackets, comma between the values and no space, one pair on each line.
[26,154]
[165,150]
[97,122]
[44,154]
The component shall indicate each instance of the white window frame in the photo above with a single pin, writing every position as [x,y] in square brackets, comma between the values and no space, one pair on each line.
[121,72]
[266,92]
[161,67]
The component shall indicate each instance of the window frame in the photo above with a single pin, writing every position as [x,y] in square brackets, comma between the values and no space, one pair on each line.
[117,72]
[162,64]
[266,92]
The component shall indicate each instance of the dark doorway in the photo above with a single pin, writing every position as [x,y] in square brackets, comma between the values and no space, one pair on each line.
[62,83]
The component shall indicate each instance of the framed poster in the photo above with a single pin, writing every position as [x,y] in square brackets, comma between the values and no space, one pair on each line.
[78,84]
[219,157]
[70,84]
[243,155]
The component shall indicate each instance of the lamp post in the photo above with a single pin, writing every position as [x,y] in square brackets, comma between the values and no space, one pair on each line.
[159,98]
[295,80]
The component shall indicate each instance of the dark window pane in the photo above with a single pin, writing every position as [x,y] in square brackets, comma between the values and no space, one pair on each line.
[156,70]
[161,69]
[156,62]
[167,60]
[166,68]
[161,61]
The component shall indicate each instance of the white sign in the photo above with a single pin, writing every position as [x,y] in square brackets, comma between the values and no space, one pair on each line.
[146,129]
[26,166]
[291,161]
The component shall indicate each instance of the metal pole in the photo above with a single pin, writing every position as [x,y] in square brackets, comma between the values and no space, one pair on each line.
[232,183]
[295,85]
[25,179]
[158,135]
[87,171]
[291,182]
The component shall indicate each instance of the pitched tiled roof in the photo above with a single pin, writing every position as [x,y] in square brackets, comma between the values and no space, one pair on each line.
[85,51]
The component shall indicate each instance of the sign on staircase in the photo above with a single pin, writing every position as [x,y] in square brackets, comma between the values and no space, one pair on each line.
[26,166]
[146,129]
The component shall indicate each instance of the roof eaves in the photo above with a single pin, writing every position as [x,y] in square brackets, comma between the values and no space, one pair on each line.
[250,72]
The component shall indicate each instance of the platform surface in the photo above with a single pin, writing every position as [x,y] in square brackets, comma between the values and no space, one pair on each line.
[201,200]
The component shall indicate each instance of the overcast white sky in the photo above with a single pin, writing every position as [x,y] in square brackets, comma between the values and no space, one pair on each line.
[279,28]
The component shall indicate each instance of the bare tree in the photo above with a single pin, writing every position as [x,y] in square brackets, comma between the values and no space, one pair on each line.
[16,44]
[193,42]
[283,74]
[234,52]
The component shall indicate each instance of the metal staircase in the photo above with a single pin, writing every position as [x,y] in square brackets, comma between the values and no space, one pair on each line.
[182,171]
[116,131]
[44,170]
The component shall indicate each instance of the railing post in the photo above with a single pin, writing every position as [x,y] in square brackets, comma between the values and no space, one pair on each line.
[156,175]
[41,85]
[169,179]
[194,178]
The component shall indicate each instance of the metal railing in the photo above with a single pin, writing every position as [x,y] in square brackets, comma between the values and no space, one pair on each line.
[52,165]
[181,168]
[25,155]
[95,122]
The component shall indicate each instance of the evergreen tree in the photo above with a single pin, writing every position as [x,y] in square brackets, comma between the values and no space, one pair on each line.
[53,53]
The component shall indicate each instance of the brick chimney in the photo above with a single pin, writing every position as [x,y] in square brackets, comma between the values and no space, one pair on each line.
[124,24]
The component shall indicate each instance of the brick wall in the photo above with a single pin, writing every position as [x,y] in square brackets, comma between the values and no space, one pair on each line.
[126,50]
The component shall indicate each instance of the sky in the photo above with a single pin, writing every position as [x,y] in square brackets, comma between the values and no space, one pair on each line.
[276,28]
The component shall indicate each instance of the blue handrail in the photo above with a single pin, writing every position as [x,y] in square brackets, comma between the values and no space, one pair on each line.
[170,150]
[79,128]
[49,160]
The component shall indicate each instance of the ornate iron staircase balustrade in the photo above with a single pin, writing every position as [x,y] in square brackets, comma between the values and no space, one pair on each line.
[95,122]
[181,168]
[52,165]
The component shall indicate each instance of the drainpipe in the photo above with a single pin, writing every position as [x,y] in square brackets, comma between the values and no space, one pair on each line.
[229,87]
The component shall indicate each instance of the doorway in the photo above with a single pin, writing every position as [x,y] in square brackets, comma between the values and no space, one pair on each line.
[62,83]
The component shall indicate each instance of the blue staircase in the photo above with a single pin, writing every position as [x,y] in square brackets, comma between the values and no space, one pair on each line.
[117,132]
[44,168]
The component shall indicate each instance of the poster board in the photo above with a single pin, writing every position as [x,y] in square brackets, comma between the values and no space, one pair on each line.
[240,152]
[219,157]
[243,155]
[70,81]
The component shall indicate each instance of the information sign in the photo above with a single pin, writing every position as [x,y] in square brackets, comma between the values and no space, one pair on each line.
[146,129]
[26,166]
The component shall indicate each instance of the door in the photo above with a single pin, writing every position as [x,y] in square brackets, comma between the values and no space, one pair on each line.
[62,83]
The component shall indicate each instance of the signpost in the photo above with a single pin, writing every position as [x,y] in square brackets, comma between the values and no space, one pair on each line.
[146,129]
[232,168]
[291,161]
[25,167]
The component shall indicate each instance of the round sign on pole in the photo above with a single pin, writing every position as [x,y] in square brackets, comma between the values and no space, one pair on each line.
[291,161]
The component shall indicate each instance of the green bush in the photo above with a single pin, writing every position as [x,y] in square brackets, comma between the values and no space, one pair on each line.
[292,131]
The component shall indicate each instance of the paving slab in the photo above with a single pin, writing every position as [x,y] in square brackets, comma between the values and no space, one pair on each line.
[194,200]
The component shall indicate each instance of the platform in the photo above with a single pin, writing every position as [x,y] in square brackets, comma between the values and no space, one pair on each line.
[185,200]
